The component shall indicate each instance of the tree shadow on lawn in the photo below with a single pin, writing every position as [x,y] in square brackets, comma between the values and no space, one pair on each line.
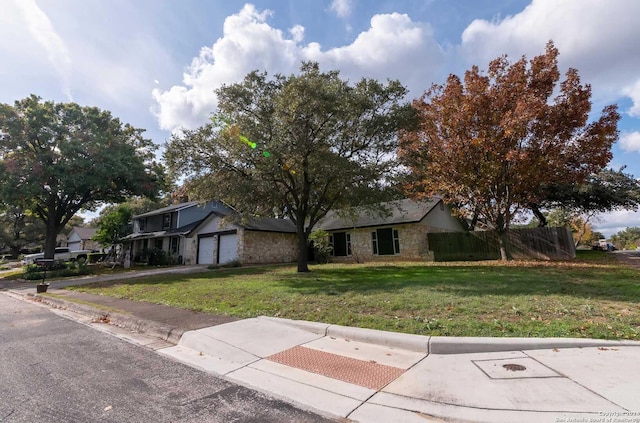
[605,283]
[471,281]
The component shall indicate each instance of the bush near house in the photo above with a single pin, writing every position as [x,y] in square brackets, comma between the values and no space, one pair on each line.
[59,269]
[156,257]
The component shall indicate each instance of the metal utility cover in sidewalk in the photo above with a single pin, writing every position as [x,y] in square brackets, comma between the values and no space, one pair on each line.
[514,368]
[364,373]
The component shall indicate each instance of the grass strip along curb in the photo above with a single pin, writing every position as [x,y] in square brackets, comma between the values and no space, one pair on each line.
[592,297]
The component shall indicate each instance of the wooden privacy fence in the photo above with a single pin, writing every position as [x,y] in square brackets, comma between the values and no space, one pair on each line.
[522,244]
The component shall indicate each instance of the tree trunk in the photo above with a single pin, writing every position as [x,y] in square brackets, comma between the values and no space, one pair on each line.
[581,231]
[502,228]
[542,220]
[502,243]
[51,238]
[15,250]
[303,265]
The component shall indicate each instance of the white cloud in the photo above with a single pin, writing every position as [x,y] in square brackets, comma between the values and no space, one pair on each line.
[342,7]
[617,221]
[633,92]
[630,141]
[297,32]
[248,43]
[55,50]
[598,38]
[393,47]
[44,33]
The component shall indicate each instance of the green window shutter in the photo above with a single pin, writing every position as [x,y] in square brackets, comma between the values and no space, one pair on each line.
[385,242]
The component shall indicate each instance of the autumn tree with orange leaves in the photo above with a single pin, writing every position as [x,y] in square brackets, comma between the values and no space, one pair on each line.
[493,144]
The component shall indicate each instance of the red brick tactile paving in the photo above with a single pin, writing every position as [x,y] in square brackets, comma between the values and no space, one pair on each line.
[364,373]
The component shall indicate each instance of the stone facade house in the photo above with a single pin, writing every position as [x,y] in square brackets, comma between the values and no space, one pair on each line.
[397,232]
[212,233]
[221,238]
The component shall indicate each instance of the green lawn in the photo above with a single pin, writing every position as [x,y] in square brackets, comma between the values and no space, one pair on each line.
[593,297]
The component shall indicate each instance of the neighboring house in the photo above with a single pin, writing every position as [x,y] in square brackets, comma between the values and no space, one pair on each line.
[400,233]
[166,228]
[214,234]
[211,234]
[61,240]
[221,238]
[79,238]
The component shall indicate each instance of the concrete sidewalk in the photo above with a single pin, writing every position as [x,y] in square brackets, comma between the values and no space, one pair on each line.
[374,376]
[340,371]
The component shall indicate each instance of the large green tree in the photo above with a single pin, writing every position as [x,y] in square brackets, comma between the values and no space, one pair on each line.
[114,225]
[59,158]
[493,143]
[606,191]
[627,239]
[295,146]
[114,221]
[19,228]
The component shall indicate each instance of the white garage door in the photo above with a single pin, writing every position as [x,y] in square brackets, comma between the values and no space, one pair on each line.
[205,250]
[74,246]
[228,248]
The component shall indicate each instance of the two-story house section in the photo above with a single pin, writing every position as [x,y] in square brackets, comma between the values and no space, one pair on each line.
[166,228]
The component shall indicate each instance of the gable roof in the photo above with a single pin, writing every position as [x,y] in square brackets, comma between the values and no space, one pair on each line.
[168,209]
[254,223]
[84,233]
[398,212]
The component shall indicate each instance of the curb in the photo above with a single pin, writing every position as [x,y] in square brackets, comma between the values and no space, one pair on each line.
[128,321]
[468,345]
[448,345]
[424,344]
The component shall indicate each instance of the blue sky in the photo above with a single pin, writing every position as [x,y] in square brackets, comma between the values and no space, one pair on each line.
[156,63]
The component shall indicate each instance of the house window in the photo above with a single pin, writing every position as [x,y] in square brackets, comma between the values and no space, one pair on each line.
[158,243]
[385,242]
[142,224]
[166,221]
[340,244]
[174,245]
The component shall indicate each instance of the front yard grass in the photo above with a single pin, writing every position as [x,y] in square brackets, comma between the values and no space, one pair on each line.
[594,296]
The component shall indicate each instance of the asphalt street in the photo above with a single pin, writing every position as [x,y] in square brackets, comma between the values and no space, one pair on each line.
[53,369]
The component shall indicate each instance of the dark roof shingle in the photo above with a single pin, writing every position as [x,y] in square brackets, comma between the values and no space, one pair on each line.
[84,233]
[168,209]
[391,213]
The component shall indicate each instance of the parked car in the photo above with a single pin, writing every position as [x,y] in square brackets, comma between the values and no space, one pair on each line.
[61,253]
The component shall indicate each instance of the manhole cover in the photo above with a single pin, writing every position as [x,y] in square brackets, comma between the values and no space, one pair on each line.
[514,367]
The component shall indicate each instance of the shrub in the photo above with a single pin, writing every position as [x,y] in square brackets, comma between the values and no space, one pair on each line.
[96,257]
[58,269]
[319,239]
[37,268]
[234,263]
[156,257]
